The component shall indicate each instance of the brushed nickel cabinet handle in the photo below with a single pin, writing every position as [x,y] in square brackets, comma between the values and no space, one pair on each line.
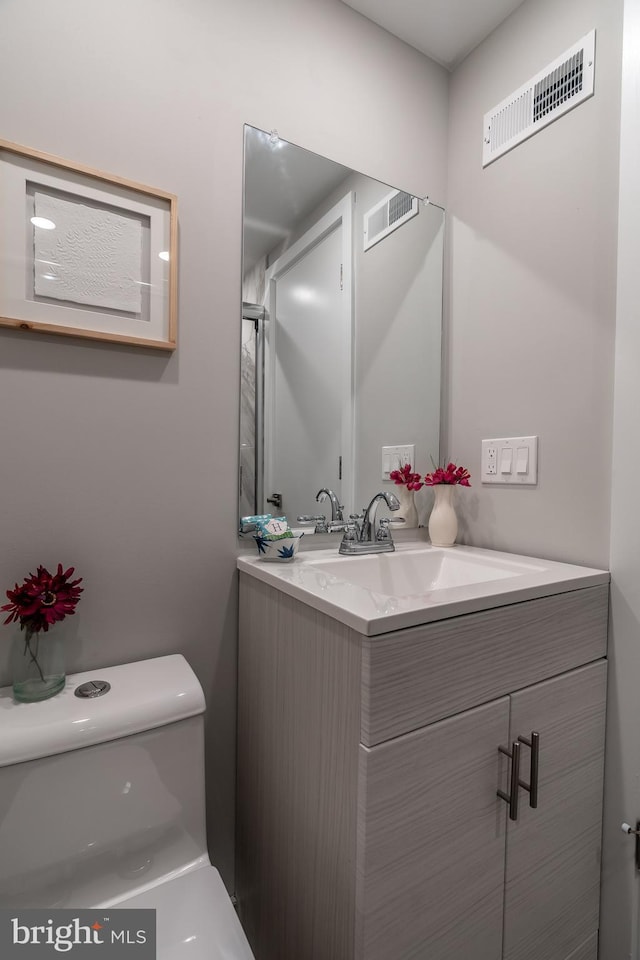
[532,786]
[512,797]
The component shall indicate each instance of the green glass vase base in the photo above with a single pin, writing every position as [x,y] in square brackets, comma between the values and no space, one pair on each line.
[37,664]
[29,691]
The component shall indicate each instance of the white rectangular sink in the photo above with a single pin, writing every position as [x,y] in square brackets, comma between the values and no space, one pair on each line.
[419,572]
[418,583]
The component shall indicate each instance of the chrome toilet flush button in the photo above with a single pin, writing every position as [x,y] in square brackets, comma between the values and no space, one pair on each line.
[92,688]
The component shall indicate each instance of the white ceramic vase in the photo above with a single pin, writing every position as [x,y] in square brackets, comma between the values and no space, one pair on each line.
[443,522]
[407,507]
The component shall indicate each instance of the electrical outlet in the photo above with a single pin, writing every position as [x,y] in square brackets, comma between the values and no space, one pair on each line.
[512,460]
[397,456]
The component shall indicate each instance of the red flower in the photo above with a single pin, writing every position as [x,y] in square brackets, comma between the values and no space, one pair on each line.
[405,476]
[43,599]
[449,474]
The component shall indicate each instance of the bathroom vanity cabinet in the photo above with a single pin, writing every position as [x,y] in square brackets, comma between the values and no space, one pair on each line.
[369,821]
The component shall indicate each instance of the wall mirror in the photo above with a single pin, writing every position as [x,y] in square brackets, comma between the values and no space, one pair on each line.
[341,330]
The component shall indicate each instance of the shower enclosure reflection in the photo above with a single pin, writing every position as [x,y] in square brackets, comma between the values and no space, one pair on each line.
[251,407]
[342,294]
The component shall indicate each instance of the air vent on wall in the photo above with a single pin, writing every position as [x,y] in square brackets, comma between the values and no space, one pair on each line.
[388,215]
[558,88]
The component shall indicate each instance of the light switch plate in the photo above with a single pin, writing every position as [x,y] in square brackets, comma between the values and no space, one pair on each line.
[512,460]
[396,456]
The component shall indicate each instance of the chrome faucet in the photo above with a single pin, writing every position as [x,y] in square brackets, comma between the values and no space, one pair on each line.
[336,506]
[322,525]
[365,535]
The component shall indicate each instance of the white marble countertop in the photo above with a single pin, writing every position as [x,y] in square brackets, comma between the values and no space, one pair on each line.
[416,584]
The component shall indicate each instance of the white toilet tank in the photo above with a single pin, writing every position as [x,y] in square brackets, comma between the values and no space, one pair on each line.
[101,798]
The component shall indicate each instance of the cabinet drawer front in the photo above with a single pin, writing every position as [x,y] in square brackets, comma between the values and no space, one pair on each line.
[416,676]
[431,841]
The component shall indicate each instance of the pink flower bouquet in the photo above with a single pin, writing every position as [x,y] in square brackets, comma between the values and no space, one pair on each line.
[450,474]
[406,477]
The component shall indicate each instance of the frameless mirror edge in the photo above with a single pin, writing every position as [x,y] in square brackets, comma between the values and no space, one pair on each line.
[379,484]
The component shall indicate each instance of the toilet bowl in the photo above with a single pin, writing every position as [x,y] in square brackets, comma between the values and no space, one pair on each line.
[195,919]
[102,804]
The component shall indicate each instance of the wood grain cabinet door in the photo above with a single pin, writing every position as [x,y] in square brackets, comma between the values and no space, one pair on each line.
[553,851]
[431,841]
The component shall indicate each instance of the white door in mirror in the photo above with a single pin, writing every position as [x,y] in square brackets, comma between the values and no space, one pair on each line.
[510,460]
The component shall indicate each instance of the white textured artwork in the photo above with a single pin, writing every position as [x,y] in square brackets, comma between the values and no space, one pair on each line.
[92,257]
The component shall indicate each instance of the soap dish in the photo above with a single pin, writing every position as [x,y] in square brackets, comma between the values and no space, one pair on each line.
[278,551]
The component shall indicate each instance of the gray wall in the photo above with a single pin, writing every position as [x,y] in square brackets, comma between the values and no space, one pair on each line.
[398,336]
[530,350]
[122,462]
[532,248]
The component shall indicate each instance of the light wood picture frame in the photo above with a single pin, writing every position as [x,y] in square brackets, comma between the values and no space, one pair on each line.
[85,253]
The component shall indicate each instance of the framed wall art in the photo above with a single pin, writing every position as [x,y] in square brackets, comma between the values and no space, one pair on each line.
[84,253]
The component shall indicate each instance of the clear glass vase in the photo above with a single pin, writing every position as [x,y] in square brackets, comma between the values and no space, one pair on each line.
[37,663]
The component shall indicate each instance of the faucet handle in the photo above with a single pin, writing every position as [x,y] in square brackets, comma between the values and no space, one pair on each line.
[356,520]
[335,526]
[384,533]
[320,522]
[350,531]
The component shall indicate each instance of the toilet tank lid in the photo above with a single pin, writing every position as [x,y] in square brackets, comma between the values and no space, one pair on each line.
[143,695]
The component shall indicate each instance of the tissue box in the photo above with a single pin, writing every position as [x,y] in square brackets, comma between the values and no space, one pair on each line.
[278,551]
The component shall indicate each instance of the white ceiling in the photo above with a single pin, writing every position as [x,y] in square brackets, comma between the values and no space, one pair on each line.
[445,30]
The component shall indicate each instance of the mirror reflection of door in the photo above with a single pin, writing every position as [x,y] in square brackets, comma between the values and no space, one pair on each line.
[308,390]
[390,367]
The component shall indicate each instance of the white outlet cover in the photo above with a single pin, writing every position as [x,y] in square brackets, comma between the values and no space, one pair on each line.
[396,456]
[502,460]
